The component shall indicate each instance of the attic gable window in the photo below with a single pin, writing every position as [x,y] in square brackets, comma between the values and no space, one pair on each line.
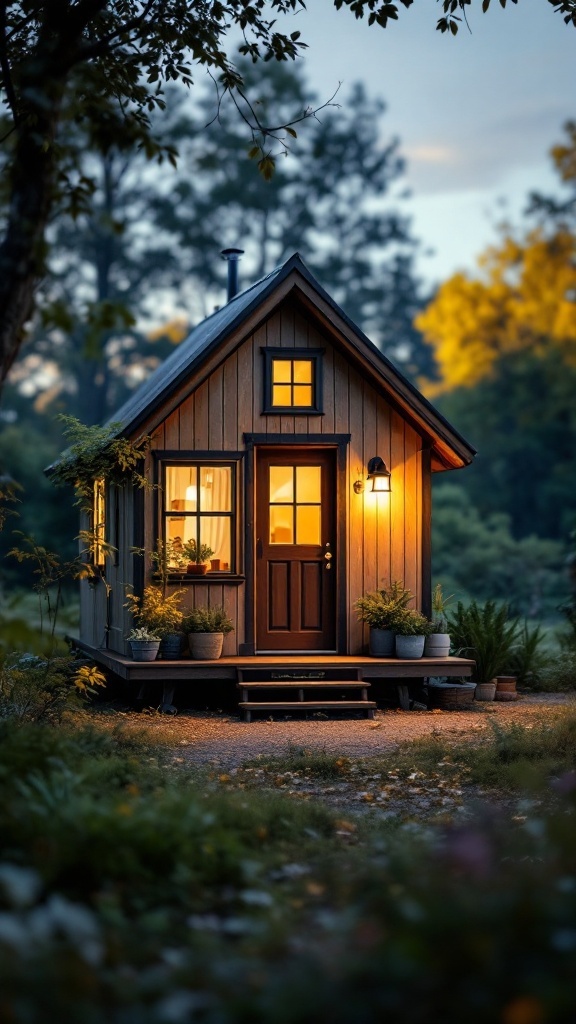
[292,380]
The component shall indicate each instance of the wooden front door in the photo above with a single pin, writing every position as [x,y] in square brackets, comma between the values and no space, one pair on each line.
[296,550]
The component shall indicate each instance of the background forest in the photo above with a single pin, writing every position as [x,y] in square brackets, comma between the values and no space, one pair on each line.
[134,269]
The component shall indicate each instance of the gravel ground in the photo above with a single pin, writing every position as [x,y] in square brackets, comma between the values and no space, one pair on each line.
[219,740]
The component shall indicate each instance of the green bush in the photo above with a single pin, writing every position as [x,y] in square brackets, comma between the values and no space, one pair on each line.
[133,895]
[485,634]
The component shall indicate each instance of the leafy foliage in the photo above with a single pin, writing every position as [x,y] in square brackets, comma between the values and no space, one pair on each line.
[198,553]
[207,620]
[486,634]
[99,453]
[34,689]
[382,608]
[156,611]
[239,904]
[476,555]
[412,623]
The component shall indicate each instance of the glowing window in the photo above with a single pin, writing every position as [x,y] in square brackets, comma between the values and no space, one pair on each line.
[199,515]
[292,380]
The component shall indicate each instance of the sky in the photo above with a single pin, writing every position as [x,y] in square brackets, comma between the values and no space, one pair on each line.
[476,114]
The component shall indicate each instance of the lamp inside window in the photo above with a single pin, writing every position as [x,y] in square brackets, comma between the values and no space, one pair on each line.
[379,475]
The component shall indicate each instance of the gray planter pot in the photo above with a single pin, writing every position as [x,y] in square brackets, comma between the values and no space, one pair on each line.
[485,691]
[144,650]
[437,645]
[205,646]
[171,646]
[381,643]
[409,646]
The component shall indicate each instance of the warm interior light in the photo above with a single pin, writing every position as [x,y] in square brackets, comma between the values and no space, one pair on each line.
[379,475]
[191,493]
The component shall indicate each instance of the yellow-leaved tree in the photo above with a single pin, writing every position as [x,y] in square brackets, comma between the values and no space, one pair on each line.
[522,300]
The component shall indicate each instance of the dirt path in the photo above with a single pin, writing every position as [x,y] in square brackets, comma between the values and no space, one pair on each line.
[223,742]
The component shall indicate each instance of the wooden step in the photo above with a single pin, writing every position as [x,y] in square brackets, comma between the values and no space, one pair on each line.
[248,706]
[290,684]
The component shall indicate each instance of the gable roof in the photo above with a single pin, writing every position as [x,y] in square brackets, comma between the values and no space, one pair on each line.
[449,449]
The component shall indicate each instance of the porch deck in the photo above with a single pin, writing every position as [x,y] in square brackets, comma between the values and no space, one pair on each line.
[227,667]
[398,671]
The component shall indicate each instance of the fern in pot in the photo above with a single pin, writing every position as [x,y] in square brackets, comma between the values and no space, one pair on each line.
[206,628]
[380,609]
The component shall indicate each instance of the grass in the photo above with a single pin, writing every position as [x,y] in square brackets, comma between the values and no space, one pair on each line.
[131,892]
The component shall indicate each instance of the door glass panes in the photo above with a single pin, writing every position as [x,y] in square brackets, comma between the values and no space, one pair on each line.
[295,504]
[308,524]
[293,383]
[281,484]
[308,484]
[281,524]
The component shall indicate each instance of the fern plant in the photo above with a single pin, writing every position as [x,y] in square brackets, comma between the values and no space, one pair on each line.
[207,620]
[485,634]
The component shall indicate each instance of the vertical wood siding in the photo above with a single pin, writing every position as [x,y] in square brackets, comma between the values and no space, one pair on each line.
[385,533]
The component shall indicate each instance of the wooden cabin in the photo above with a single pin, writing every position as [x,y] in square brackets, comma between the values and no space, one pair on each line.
[265,421]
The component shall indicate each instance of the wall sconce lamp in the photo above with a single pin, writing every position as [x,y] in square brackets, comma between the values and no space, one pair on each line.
[378,474]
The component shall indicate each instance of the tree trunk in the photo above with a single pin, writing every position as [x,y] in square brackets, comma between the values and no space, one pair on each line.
[22,250]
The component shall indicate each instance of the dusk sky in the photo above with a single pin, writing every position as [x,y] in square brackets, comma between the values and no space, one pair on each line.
[476,114]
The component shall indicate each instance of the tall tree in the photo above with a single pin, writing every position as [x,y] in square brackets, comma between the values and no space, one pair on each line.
[104,62]
[336,198]
[148,245]
[522,300]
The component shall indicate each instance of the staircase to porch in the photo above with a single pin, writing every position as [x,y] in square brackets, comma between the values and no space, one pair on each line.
[302,690]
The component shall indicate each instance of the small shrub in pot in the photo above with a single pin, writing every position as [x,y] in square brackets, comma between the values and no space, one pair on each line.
[206,628]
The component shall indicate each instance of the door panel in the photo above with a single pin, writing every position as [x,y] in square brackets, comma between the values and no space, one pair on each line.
[295,564]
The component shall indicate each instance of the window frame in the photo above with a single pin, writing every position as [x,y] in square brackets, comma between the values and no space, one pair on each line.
[99,518]
[292,354]
[204,459]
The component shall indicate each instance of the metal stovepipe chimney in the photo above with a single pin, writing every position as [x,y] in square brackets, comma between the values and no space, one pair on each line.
[232,256]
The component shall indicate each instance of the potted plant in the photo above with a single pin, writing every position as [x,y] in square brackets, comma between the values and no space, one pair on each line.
[144,644]
[197,555]
[160,613]
[484,633]
[411,630]
[437,643]
[206,628]
[380,609]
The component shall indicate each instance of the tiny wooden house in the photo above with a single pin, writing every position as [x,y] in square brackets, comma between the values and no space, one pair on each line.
[264,422]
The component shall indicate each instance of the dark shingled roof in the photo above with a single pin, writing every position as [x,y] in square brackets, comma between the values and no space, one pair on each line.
[208,335]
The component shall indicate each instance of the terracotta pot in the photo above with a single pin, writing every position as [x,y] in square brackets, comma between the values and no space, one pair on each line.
[205,646]
[506,688]
[381,643]
[197,568]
